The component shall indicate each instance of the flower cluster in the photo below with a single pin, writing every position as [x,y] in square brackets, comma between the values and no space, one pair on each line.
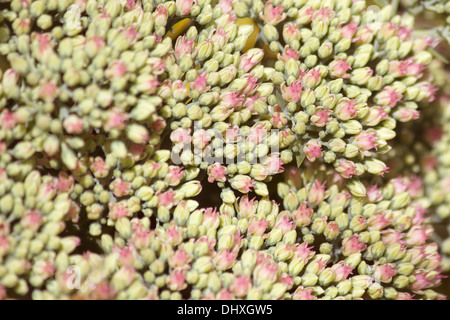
[214,149]
[434,15]
[343,83]
[437,181]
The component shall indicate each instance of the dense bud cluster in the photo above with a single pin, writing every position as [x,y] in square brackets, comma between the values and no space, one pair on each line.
[435,15]
[117,117]
[437,181]
[344,82]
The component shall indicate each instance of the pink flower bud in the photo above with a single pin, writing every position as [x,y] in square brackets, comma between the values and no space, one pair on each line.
[302,293]
[257,134]
[392,236]
[118,210]
[41,43]
[217,172]
[247,207]
[252,85]
[385,272]
[401,184]
[316,192]
[47,191]
[73,124]
[211,218]
[418,235]
[303,215]
[406,114]
[404,33]
[65,182]
[257,227]
[284,223]
[387,30]
[366,141]
[421,282]
[225,259]
[199,83]
[242,183]
[250,59]
[231,99]
[312,78]
[290,32]
[161,14]
[345,110]
[273,163]
[427,91]
[346,168]
[180,136]
[375,116]
[120,188]
[141,237]
[278,120]
[378,221]
[200,139]
[349,30]
[100,168]
[388,97]
[265,270]
[224,294]
[175,175]
[323,14]
[272,15]
[44,269]
[10,79]
[352,245]
[404,296]
[116,119]
[313,150]
[180,259]
[226,6]
[32,220]
[240,286]
[338,69]
[374,194]
[184,6]
[173,235]
[176,281]
[218,36]
[48,91]
[165,199]
[8,120]
[303,252]
[341,271]
[184,47]
[293,92]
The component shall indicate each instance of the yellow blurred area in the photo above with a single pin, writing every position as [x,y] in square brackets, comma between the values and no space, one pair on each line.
[178,28]
[253,37]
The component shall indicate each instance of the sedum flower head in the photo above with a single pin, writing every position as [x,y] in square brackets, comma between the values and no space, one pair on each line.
[121,120]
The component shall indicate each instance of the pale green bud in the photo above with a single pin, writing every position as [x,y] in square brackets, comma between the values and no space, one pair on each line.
[390,293]
[203,265]
[123,227]
[309,280]
[356,188]
[205,49]
[326,277]
[400,201]
[353,260]
[275,236]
